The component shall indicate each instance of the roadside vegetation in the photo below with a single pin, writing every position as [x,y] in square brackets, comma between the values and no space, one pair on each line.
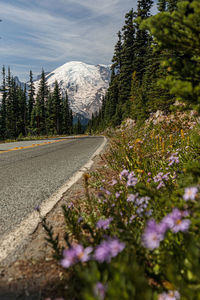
[136,236]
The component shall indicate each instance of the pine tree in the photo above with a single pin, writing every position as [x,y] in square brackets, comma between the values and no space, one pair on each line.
[41,98]
[142,40]
[178,33]
[127,57]
[10,113]
[79,127]
[22,116]
[66,116]
[57,111]
[171,5]
[50,117]
[71,121]
[31,94]
[3,107]
[162,5]
[117,57]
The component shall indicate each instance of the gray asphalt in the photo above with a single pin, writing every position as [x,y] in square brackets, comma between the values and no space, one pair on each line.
[29,176]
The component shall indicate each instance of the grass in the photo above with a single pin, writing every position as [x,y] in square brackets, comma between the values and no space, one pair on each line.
[136,235]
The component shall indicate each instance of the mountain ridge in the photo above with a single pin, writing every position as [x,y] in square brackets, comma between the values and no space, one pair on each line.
[85,85]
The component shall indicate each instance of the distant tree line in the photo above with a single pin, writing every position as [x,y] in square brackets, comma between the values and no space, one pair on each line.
[156,61]
[23,112]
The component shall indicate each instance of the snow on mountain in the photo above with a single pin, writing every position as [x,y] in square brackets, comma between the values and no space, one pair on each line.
[85,84]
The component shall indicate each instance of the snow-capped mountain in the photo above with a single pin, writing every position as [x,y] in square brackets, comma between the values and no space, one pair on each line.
[85,84]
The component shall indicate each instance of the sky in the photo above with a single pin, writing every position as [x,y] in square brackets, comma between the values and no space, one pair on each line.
[38,34]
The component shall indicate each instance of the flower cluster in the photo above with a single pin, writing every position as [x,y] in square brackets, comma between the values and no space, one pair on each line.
[123,174]
[154,232]
[103,252]
[108,249]
[173,159]
[160,178]
[75,254]
[104,224]
[132,179]
[130,176]
[171,295]
[140,204]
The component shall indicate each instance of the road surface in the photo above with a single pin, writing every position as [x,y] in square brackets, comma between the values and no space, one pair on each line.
[30,172]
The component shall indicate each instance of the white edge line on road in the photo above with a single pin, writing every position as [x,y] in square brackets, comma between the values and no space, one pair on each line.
[12,240]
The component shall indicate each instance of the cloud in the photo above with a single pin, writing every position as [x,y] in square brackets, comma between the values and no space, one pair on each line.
[48,33]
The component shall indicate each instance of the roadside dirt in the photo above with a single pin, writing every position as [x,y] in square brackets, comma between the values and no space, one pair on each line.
[35,275]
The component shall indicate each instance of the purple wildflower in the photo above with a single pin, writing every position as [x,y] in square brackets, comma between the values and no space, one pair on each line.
[124,173]
[100,290]
[132,218]
[132,197]
[152,235]
[103,190]
[117,195]
[74,255]
[175,222]
[190,193]
[171,295]
[104,224]
[181,225]
[70,205]
[115,247]
[173,159]
[108,192]
[132,180]
[108,249]
[161,184]
[158,177]
[80,219]
[165,176]
[149,212]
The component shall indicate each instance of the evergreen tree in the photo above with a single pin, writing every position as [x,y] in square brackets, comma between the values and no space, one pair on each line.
[127,57]
[142,40]
[41,98]
[178,32]
[162,5]
[50,117]
[66,116]
[31,94]
[3,107]
[10,119]
[22,116]
[71,121]
[79,127]
[57,111]
[117,57]
[171,5]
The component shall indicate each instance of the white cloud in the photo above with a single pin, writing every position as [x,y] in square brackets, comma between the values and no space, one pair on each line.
[52,37]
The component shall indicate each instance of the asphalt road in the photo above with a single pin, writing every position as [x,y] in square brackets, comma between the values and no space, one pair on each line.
[29,176]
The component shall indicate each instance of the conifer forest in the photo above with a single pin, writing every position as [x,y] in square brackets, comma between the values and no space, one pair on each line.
[25,113]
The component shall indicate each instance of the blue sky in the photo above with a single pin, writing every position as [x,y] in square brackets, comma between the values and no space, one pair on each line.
[38,34]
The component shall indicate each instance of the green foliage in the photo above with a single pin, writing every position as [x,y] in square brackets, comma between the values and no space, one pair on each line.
[24,114]
[178,32]
[139,272]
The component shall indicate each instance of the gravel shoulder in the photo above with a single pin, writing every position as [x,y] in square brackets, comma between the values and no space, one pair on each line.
[35,275]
